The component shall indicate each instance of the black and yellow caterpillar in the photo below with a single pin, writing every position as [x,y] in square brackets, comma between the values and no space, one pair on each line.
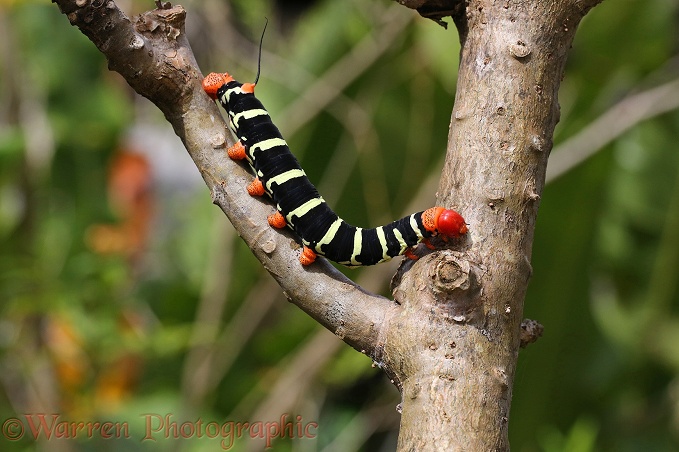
[298,204]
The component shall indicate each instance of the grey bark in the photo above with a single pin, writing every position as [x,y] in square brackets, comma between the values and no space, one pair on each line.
[458,390]
[450,339]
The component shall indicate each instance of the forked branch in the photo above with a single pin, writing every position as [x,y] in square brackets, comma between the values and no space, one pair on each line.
[153,55]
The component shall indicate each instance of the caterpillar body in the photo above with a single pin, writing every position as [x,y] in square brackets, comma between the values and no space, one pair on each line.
[299,205]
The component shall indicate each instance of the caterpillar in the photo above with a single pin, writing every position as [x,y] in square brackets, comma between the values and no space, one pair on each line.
[299,206]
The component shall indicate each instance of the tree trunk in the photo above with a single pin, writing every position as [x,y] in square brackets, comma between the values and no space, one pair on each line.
[450,341]
[464,310]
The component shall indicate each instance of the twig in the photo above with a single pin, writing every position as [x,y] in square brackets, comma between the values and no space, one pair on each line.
[612,124]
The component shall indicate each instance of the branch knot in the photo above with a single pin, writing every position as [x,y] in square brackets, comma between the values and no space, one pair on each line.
[450,274]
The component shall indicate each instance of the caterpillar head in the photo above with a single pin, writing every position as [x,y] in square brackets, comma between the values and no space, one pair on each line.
[214,81]
[444,222]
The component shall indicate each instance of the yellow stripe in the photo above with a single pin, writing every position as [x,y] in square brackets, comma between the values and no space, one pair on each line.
[265,145]
[284,177]
[399,237]
[416,229]
[329,235]
[383,243]
[358,244]
[226,97]
[248,114]
[304,209]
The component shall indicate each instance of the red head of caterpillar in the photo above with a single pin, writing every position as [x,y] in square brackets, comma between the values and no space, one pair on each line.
[444,221]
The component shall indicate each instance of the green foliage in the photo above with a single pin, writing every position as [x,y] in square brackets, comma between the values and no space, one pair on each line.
[185,322]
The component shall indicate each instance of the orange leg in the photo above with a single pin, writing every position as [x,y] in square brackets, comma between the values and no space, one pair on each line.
[410,255]
[277,220]
[237,151]
[308,256]
[428,244]
[256,188]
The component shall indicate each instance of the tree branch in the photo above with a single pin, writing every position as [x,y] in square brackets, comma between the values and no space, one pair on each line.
[153,55]
[451,343]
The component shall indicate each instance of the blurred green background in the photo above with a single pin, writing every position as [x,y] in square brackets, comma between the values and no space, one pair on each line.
[125,295]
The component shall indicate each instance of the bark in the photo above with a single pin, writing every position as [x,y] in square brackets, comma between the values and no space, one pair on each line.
[464,335]
[450,339]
